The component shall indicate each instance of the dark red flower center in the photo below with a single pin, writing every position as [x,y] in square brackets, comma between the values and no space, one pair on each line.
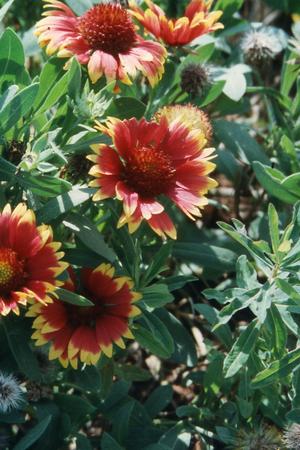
[11,271]
[87,315]
[108,28]
[148,171]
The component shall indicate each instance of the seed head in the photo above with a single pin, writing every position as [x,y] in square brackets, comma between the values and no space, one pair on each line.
[10,393]
[77,169]
[262,438]
[291,437]
[194,79]
[260,46]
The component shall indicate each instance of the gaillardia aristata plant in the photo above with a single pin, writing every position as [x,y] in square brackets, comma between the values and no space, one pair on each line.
[29,260]
[104,39]
[84,332]
[197,20]
[149,290]
[151,159]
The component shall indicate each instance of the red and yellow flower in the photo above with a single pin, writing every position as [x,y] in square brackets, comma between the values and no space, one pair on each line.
[84,332]
[197,20]
[148,160]
[191,116]
[29,260]
[104,39]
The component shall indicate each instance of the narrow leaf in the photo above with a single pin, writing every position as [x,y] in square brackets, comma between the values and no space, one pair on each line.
[240,352]
[72,298]
[33,434]
[277,370]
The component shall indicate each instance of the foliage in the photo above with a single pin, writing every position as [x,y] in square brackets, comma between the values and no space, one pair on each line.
[215,360]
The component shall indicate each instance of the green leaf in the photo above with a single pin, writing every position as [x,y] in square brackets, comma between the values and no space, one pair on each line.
[177,438]
[63,203]
[289,147]
[278,331]
[212,316]
[188,411]
[161,91]
[230,7]
[5,8]
[155,337]
[17,107]
[76,407]
[152,343]
[274,227]
[42,185]
[33,434]
[7,168]
[185,351]
[14,417]
[228,164]
[289,6]
[236,138]
[271,180]
[288,289]
[107,374]
[53,85]
[74,78]
[158,400]
[213,93]
[157,446]
[277,370]
[208,256]
[287,318]
[73,298]
[294,415]
[241,301]
[109,443]
[292,184]
[156,296]
[157,264]
[12,60]
[177,282]
[240,235]
[246,276]
[88,379]
[17,335]
[88,234]
[129,372]
[126,108]
[118,393]
[82,442]
[240,352]
[226,435]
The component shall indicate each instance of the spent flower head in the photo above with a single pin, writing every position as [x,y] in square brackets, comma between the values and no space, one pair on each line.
[260,45]
[77,169]
[291,437]
[263,438]
[10,393]
[195,78]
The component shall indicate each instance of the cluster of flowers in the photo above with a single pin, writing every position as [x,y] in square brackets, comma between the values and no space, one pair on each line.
[106,40]
[166,157]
